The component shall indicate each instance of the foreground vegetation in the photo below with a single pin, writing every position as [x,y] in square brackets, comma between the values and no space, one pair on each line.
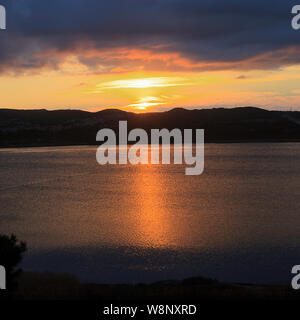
[45,286]
[34,286]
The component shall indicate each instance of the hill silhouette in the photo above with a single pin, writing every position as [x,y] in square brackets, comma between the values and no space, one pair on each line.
[75,127]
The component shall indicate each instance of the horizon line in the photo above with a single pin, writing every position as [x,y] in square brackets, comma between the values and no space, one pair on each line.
[148,112]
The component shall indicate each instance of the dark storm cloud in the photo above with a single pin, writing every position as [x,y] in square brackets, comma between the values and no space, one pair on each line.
[224,34]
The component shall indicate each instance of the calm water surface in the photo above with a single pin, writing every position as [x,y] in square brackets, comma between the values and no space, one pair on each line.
[238,221]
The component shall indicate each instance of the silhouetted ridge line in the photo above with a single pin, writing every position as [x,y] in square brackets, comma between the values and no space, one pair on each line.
[76,127]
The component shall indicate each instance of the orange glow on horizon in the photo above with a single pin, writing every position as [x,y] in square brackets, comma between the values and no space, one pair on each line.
[150,90]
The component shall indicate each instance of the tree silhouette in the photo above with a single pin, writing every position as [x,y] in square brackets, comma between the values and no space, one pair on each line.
[11,254]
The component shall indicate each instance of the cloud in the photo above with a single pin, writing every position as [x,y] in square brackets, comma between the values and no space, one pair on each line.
[149,34]
[143,83]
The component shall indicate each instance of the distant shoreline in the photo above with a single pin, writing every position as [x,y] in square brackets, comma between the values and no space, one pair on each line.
[96,145]
[199,288]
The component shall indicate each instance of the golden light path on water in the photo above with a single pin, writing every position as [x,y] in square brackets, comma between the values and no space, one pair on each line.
[157,218]
[152,218]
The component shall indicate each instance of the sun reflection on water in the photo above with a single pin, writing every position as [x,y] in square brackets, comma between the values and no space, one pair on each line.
[152,218]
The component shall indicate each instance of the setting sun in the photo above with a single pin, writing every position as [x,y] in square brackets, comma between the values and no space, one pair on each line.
[146,102]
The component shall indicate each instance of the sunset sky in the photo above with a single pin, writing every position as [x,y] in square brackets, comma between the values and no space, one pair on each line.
[149,55]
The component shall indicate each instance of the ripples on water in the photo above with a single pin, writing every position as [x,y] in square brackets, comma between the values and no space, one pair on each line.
[239,221]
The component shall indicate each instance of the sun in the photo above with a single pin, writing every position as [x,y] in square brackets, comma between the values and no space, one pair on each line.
[146,102]
[141,93]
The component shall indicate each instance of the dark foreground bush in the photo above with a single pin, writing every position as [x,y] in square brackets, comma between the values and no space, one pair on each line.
[11,254]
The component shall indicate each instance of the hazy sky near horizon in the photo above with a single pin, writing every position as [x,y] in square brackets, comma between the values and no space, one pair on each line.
[149,55]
